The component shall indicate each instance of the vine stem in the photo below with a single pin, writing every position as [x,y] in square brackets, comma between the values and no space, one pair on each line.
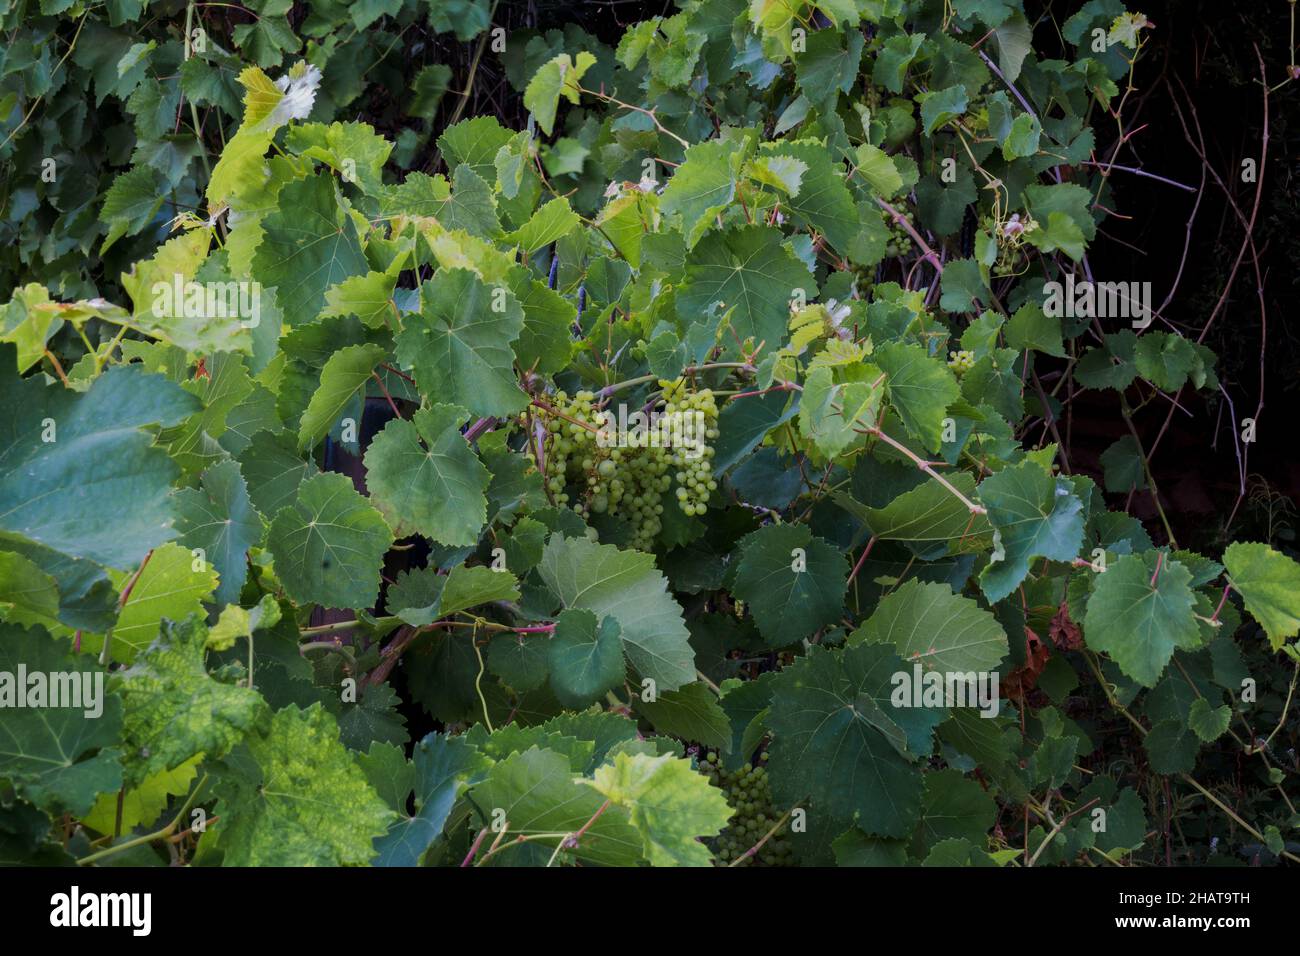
[469,79]
[708,683]
[601,94]
[1186,778]
[1290,691]
[858,567]
[1139,172]
[925,466]
[548,407]
[384,388]
[194,110]
[1127,413]
[1056,828]
[162,834]
[573,840]
[567,840]
[689,370]
[478,681]
[916,236]
[474,848]
[345,625]
[121,603]
[479,428]
[335,646]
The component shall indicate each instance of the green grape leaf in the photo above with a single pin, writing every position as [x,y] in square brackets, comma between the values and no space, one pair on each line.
[131,203]
[585,657]
[1171,747]
[944,631]
[832,415]
[309,244]
[459,343]
[928,512]
[920,389]
[173,584]
[747,270]
[1269,584]
[466,203]
[670,804]
[557,77]
[60,446]
[794,582]
[954,807]
[823,202]
[743,423]
[369,297]
[544,343]
[691,713]
[354,150]
[538,793]
[468,587]
[1209,723]
[1140,623]
[273,470]
[425,477]
[174,711]
[218,518]
[474,143]
[1122,466]
[1031,328]
[520,660]
[1034,515]
[308,803]
[1058,231]
[703,186]
[875,166]
[553,221]
[942,106]
[56,757]
[835,741]
[626,586]
[328,545]
[1110,365]
[27,594]
[346,371]
[1126,823]
[142,804]
[442,766]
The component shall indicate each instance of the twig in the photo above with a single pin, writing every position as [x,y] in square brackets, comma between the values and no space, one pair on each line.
[925,466]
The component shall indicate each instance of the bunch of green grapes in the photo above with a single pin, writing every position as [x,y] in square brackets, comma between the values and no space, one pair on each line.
[605,478]
[961,361]
[900,242]
[749,792]
[698,414]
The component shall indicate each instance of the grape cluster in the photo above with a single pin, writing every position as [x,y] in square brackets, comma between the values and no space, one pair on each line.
[749,792]
[961,361]
[694,462]
[589,469]
[900,242]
